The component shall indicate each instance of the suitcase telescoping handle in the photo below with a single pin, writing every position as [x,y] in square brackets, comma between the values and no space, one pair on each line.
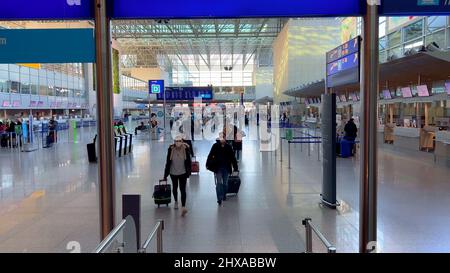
[163,180]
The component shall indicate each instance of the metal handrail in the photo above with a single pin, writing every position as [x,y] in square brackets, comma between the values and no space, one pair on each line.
[111,236]
[309,227]
[157,230]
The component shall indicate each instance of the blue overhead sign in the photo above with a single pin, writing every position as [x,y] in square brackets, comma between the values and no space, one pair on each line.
[140,9]
[343,64]
[186,93]
[156,86]
[47,10]
[348,48]
[145,9]
[348,62]
[47,46]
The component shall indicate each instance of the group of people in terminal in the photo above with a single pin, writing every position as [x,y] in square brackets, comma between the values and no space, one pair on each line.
[9,131]
[222,161]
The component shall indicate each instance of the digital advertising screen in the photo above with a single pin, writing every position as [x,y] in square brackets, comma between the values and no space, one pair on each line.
[387,94]
[447,87]
[343,98]
[406,92]
[422,90]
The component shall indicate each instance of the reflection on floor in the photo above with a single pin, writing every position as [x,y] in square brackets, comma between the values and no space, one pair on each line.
[50,197]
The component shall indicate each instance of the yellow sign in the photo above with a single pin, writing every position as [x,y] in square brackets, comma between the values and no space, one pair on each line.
[35,66]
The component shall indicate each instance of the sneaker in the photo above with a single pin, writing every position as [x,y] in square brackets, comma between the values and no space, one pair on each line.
[176,205]
[183,211]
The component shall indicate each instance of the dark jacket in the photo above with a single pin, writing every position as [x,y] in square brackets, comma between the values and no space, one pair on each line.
[217,155]
[187,162]
[350,130]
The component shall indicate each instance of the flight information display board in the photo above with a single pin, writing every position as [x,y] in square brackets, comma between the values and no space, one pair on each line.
[348,48]
[186,93]
[343,64]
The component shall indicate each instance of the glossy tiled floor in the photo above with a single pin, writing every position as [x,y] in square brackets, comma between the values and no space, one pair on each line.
[50,197]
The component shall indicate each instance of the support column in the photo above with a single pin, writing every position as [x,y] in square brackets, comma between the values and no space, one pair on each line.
[104,118]
[369,168]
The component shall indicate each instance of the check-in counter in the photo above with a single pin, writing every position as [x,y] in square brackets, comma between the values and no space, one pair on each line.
[407,138]
[427,137]
[442,151]
[388,133]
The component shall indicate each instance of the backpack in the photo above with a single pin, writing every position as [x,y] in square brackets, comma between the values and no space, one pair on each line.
[211,163]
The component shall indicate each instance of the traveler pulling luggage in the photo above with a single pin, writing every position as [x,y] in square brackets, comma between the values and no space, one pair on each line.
[162,193]
[221,161]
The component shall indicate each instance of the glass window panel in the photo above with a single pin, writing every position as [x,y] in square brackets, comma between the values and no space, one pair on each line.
[383,43]
[64,81]
[435,23]
[14,68]
[25,83]
[413,31]
[416,44]
[34,85]
[437,37]
[396,51]
[4,67]
[43,90]
[394,39]
[34,72]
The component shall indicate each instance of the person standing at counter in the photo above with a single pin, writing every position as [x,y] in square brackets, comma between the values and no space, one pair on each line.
[350,130]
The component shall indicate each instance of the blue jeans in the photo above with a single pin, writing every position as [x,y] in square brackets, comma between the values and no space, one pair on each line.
[221,183]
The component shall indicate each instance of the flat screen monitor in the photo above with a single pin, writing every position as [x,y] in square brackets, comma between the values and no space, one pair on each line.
[354,97]
[306,102]
[343,98]
[447,87]
[6,103]
[406,92]
[387,94]
[338,99]
[422,90]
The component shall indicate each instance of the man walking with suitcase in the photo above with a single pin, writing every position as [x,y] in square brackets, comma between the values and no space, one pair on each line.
[221,161]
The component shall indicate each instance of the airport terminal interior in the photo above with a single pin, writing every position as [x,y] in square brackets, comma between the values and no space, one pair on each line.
[164,70]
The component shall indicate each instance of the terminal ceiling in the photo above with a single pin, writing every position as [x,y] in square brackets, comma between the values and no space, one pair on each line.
[231,42]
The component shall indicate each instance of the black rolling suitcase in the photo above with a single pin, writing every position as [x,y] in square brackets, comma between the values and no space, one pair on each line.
[162,193]
[92,153]
[234,183]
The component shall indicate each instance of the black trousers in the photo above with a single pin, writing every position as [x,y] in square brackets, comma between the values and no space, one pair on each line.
[180,180]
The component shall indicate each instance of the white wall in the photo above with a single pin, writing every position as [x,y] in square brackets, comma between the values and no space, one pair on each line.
[146,74]
[264,82]
[299,52]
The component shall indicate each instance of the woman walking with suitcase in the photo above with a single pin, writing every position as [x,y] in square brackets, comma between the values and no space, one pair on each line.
[178,166]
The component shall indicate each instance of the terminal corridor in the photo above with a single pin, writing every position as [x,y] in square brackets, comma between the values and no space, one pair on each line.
[55,201]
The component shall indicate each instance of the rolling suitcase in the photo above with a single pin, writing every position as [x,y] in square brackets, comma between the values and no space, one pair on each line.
[234,183]
[195,165]
[162,193]
[91,152]
[346,148]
